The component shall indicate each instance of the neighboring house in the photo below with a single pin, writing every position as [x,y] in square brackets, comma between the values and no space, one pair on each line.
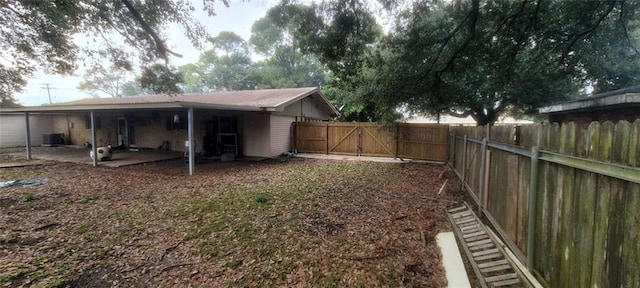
[250,123]
[13,129]
[623,104]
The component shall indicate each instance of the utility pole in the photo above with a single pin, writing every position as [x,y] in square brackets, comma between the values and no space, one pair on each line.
[48,90]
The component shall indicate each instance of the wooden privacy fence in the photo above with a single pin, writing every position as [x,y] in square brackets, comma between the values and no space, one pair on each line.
[566,198]
[414,141]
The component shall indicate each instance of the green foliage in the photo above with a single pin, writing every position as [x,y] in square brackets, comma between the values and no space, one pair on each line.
[341,34]
[40,35]
[193,78]
[477,58]
[132,88]
[8,102]
[487,58]
[261,198]
[13,277]
[108,81]
[160,79]
[284,65]
[9,239]
[228,66]
[225,67]
[30,197]
[338,32]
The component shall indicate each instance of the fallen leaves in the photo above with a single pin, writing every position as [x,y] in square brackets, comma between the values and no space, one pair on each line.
[295,223]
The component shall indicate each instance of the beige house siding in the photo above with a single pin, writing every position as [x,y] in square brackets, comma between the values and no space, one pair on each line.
[280,134]
[150,129]
[78,133]
[308,107]
[13,129]
[256,139]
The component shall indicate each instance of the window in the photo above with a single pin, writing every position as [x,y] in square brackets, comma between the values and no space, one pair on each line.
[87,122]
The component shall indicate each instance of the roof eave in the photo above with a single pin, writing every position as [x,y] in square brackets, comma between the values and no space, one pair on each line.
[98,107]
[222,107]
[73,108]
[591,103]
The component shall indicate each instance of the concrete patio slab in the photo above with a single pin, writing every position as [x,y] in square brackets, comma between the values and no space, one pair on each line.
[21,164]
[78,154]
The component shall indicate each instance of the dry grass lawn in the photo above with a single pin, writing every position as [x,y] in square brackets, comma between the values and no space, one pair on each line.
[295,223]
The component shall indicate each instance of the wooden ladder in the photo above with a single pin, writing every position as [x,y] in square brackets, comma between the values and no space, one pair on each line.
[488,259]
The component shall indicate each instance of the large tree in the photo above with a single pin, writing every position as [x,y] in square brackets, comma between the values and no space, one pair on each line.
[342,34]
[283,64]
[100,80]
[484,58]
[40,35]
[470,57]
[227,65]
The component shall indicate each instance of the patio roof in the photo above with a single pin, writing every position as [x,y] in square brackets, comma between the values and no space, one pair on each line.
[246,100]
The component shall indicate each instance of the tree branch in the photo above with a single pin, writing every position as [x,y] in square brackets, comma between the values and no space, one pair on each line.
[472,16]
[160,45]
[447,40]
[511,17]
[589,30]
[625,30]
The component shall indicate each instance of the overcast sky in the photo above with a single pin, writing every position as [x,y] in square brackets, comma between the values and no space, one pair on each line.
[238,17]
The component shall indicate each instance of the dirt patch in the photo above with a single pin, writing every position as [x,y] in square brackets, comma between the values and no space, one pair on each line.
[300,222]
[322,226]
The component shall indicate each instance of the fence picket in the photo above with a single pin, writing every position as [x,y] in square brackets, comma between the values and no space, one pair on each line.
[586,222]
[630,241]
[414,141]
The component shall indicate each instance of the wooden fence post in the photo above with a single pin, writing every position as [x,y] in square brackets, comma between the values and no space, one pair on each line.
[464,162]
[452,151]
[533,204]
[326,140]
[483,171]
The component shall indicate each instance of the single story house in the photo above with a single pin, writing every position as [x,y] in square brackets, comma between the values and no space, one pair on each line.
[249,123]
[623,104]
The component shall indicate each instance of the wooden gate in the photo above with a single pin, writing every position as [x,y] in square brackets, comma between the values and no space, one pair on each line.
[343,138]
[414,141]
[423,141]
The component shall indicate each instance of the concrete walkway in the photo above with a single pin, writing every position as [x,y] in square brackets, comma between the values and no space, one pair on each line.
[362,158]
[452,261]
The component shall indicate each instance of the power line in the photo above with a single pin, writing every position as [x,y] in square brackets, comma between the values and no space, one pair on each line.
[48,90]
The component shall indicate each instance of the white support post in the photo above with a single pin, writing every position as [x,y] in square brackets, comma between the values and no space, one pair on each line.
[191,144]
[28,135]
[93,140]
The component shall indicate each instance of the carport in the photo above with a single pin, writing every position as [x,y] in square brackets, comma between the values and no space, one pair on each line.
[94,142]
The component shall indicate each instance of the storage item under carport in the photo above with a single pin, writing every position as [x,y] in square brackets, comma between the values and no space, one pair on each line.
[104,153]
[52,139]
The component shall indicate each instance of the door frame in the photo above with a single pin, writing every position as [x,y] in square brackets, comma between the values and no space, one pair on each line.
[126,132]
